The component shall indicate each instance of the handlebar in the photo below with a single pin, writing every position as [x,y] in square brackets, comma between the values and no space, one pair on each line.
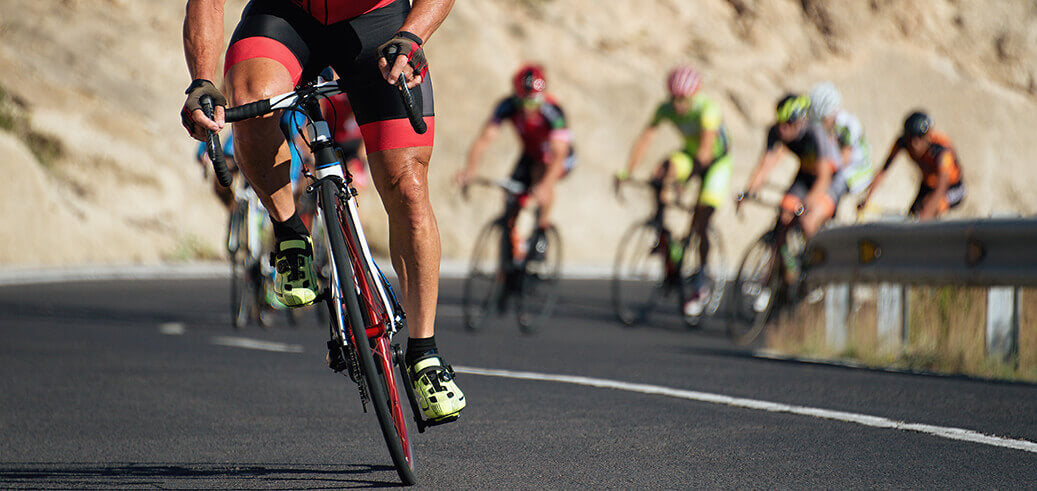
[509,185]
[214,147]
[413,112]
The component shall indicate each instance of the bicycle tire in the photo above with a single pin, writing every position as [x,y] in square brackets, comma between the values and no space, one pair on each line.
[375,377]
[484,293]
[638,274]
[538,291]
[240,303]
[757,276]
[717,271]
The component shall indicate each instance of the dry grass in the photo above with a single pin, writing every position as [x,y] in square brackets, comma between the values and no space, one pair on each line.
[946,334]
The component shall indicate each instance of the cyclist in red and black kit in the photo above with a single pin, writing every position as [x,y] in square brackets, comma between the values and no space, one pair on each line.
[276,45]
[547,152]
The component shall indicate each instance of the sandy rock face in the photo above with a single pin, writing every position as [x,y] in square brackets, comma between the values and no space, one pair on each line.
[105,79]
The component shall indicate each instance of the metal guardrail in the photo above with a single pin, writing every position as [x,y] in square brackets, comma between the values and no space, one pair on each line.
[994,252]
[997,253]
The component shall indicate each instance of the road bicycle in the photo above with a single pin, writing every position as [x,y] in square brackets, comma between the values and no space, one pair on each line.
[249,273]
[770,276]
[513,264]
[652,264]
[363,309]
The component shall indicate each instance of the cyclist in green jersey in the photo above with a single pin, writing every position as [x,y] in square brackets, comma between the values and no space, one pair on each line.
[705,154]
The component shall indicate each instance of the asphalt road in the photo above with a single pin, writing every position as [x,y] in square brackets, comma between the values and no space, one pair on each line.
[133,384]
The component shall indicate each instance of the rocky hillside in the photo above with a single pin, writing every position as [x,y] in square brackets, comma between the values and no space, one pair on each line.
[99,169]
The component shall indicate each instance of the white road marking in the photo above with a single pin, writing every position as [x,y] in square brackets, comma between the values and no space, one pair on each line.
[862,419]
[172,329]
[256,344]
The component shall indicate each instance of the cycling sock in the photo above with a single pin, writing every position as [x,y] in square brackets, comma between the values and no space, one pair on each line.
[418,347]
[292,228]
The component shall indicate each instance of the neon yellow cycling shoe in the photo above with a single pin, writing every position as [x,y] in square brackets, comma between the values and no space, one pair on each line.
[295,281]
[434,386]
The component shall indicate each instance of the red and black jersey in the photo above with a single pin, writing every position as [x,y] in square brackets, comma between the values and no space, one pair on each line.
[536,129]
[332,11]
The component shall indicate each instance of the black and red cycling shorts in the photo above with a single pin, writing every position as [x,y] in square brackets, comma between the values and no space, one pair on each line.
[286,33]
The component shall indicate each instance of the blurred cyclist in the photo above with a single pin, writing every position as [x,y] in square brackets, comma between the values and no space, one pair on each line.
[942,187]
[826,108]
[812,191]
[547,151]
[705,154]
[225,194]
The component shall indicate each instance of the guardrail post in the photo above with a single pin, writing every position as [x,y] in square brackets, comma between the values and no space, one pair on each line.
[891,318]
[1002,322]
[837,312]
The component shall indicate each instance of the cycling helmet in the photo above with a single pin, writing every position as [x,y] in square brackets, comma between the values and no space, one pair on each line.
[683,81]
[529,81]
[792,107]
[825,101]
[917,124]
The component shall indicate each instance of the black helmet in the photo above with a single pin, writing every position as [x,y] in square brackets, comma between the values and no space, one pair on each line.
[917,124]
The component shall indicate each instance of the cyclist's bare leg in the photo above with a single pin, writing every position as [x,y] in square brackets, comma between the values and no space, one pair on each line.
[401,177]
[817,213]
[259,146]
[700,224]
[546,200]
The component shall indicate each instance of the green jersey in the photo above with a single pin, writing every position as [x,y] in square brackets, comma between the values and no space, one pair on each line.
[704,116]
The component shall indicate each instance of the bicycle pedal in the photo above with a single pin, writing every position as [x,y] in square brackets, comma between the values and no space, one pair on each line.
[336,359]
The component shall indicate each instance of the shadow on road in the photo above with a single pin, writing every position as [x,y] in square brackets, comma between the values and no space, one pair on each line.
[190,475]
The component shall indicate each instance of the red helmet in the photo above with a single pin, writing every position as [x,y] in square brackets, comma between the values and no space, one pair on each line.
[683,81]
[529,81]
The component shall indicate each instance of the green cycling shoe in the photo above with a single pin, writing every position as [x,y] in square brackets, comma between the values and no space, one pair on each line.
[295,281]
[438,395]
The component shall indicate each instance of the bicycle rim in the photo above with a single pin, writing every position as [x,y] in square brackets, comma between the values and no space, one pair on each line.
[539,287]
[756,291]
[379,381]
[638,274]
[240,303]
[484,295]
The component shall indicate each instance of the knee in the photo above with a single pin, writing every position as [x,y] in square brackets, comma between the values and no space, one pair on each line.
[245,88]
[408,199]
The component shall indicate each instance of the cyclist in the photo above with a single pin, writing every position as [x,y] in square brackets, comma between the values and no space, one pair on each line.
[276,45]
[225,194]
[705,154]
[547,151]
[942,187]
[826,108]
[812,191]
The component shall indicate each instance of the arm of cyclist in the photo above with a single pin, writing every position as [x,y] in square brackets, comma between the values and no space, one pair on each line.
[768,161]
[637,153]
[825,171]
[544,190]
[203,44]
[704,157]
[931,206]
[424,18]
[880,175]
[475,152]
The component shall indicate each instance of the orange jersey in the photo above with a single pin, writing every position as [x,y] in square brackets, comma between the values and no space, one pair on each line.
[938,158]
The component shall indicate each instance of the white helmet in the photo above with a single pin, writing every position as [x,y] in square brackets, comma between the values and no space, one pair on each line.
[825,101]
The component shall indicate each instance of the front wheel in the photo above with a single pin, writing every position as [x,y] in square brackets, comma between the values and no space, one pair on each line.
[538,285]
[484,295]
[639,274]
[756,292]
[378,376]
